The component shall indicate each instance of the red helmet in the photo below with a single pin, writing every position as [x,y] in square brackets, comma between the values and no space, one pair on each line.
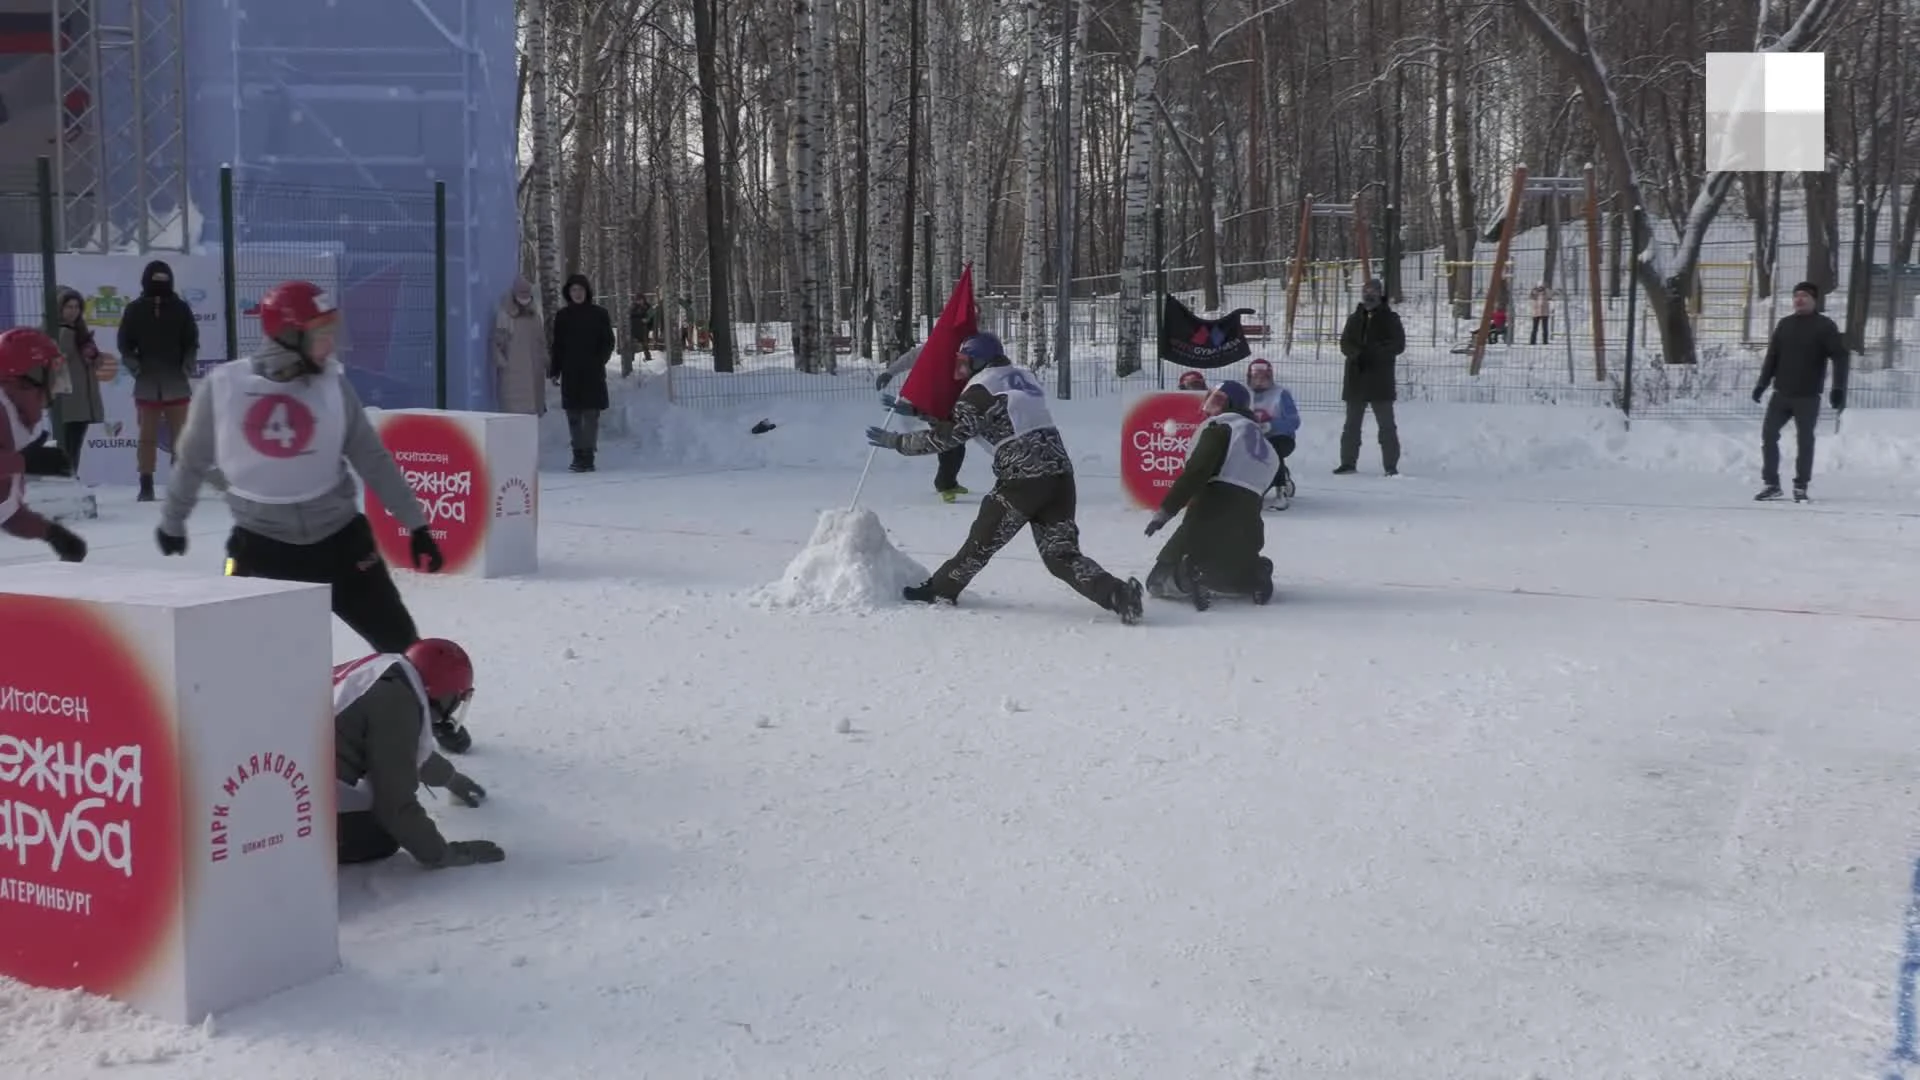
[23,349]
[445,669]
[292,308]
[1192,380]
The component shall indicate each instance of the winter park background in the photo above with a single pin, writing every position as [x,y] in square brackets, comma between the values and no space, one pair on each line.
[1555,757]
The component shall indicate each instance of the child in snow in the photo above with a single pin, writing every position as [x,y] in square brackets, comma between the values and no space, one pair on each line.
[1275,409]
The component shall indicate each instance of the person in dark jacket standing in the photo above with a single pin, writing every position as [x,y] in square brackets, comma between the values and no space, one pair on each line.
[1216,549]
[1372,340]
[160,344]
[583,341]
[1796,369]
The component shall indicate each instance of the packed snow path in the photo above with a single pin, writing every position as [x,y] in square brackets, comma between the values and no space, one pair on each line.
[1573,775]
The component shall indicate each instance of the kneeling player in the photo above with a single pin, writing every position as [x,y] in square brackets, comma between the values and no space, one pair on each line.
[25,355]
[384,707]
[1216,549]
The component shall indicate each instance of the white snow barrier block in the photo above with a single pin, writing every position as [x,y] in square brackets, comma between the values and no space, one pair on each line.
[166,786]
[478,475]
[848,565]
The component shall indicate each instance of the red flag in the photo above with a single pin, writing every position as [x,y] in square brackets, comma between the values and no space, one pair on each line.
[930,386]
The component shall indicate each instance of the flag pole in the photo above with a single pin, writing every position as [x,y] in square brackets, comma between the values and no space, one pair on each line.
[871,451]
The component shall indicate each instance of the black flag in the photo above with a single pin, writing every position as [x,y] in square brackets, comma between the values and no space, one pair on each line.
[1191,341]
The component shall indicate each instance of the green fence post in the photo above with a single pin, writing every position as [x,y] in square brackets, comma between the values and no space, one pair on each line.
[49,283]
[440,294]
[228,243]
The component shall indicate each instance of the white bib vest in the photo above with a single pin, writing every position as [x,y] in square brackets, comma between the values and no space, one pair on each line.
[312,443]
[351,681]
[1267,401]
[1251,462]
[1026,402]
[13,495]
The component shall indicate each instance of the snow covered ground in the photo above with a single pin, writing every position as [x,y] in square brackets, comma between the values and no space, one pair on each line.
[1557,758]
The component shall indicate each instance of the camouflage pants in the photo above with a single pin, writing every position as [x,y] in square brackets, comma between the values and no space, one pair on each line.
[1047,504]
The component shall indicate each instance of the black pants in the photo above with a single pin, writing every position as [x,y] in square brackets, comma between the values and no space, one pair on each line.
[1389,434]
[73,439]
[1804,412]
[947,477]
[583,427]
[1283,445]
[1542,331]
[1221,535]
[364,595]
[1048,504]
[362,840]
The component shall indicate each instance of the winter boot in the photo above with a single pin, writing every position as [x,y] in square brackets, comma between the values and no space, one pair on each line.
[146,487]
[952,493]
[579,462]
[1345,470]
[1799,493]
[1263,589]
[589,460]
[924,593]
[1768,493]
[1196,585]
[1128,603]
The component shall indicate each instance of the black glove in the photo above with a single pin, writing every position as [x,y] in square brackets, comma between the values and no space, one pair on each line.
[1758,393]
[426,553]
[469,852]
[1838,399]
[66,544]
[881,382]
[463,788]
[1160,519]
[169,543]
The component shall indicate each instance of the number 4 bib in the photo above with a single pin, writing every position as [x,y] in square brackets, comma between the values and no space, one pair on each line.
[277,442]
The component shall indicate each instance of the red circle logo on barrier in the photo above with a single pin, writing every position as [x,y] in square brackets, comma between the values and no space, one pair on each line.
[90,831]
[1154,436]
[278,426]
[448,474]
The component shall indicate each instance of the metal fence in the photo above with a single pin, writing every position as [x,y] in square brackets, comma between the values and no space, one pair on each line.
[383,255]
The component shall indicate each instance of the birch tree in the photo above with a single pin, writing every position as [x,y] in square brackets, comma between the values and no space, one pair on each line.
[1138,176]
[546,210]
[887,49]
[1034,150]
[810,352]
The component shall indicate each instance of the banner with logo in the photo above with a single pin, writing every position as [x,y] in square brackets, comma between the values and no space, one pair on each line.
[477,476]
[108,283]
[1155,435]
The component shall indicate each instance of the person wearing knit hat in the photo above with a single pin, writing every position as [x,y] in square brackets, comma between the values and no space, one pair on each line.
[1216,549]
[1798,353]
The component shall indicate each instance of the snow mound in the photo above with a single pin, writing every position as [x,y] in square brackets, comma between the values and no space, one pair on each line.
[849,564]
[43,1026]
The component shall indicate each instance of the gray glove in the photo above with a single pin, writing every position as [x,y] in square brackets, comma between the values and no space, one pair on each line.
[1160,519]
[881,382]
[464,789]
[470,852]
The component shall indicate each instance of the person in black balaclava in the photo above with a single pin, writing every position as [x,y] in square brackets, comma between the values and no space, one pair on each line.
[160,344]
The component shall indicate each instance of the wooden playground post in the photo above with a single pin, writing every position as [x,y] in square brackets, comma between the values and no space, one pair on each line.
[1360,237]
[1300,245]
[1593,277]
[1498,276]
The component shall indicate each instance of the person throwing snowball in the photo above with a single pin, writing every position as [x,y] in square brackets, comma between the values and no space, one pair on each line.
[1004,408]
[281,429]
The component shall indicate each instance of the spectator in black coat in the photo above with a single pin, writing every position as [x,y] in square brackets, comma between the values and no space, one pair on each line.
[1796,368]
[1372,341]
[583,342]
[160,344]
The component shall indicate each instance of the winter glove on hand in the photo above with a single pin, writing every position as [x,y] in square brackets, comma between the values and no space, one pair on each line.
[881,382]
[1837,399]
[1758,393]
[469,852]
[65,544]
[169,543]
[896,406]
[464,789]
[1160,519]
[882,438]
[426,553]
